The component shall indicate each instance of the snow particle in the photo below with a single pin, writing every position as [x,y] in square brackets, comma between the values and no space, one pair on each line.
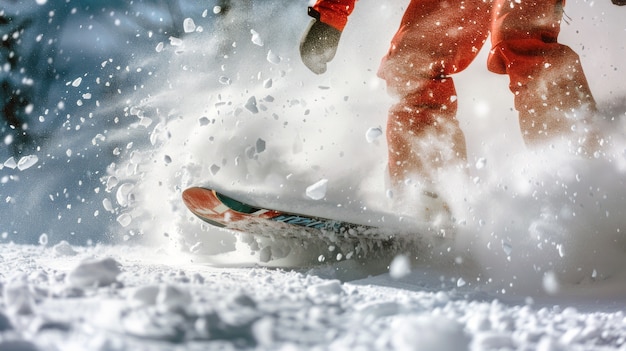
[189,25]
[507,248]
[10,163]
[214,169]
[108,206]
[317,191]
[124,219]
[26,162]
[256,38]
[77,82]
[251,105]
[124,194]
[389,193]
[550,282]
[481,163]
[400,267]
[111,183]
[273,58]
[481,108]
[203,121]
[175,41]
[373,134]
[8,139]
[43,239]
[260,145]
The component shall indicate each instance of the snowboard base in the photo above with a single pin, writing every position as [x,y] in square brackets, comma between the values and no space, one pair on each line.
[222,211]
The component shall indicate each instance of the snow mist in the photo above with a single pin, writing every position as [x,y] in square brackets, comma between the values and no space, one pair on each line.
[236,109]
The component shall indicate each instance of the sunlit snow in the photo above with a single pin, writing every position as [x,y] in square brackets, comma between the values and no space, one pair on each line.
[125,104]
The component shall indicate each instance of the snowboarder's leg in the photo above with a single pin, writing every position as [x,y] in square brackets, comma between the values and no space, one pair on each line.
[436,39]
[547,79]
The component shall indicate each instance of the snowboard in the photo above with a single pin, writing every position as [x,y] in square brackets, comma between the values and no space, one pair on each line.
[223,211]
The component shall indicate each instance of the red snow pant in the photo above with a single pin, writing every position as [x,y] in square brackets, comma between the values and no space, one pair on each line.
[438,38]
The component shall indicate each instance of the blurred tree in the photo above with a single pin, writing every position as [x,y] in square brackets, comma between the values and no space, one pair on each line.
[39,54]
[16,89]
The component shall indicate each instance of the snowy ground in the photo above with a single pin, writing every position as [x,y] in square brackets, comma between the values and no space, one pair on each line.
[134,298]
[173,96]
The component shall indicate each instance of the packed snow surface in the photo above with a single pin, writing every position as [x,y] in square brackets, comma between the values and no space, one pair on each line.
[135,298]
[127,104]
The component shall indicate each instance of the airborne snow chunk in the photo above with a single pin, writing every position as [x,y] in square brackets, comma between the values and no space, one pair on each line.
[214,169]
[204,121]
[43,239]
[10,163]
[550,282]
[317,191]
[26,162]
[373,133]
[108,206]
[273,57]
[400,267]
[251,105]
[124,194]
[8,139]
[175,41]
[124,219]
[260,145]
[189,25]
[481,163]
[256,38]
